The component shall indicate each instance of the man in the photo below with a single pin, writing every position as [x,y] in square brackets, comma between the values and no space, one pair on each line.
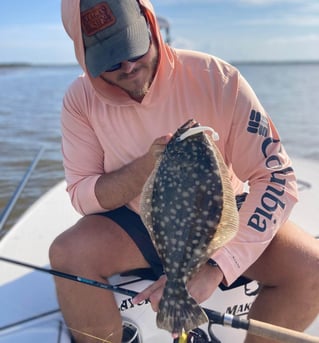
[116,119]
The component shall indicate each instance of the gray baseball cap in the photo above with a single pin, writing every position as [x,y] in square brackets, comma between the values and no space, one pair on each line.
[113,31]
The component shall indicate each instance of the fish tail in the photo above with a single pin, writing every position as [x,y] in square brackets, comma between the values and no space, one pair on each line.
[179,312]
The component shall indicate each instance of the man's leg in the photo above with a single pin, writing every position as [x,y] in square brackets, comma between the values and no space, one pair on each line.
[95,248]
[289,271]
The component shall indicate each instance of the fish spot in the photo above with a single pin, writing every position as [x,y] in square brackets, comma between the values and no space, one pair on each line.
[166,219]
[170,291]
[185,194]
[197,252]
[173,211]
[173,241]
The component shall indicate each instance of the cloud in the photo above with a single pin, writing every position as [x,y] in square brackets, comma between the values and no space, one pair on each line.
[178,2]
[285,20]
[184,43]
[298,47]
[36,43]
[273,2]
[311,38]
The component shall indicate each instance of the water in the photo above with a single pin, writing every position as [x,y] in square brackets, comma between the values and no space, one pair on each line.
[30,102]
[290,94]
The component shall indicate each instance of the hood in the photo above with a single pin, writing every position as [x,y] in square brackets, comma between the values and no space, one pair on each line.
[72,23]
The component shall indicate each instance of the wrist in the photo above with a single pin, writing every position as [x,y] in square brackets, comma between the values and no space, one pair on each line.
[214,270]
[212,263]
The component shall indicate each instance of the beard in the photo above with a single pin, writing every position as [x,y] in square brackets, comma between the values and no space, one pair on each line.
[140,90]
[135,89]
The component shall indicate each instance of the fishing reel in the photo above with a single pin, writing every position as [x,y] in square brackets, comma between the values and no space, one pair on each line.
[194,336]
[199,336]
[130,333]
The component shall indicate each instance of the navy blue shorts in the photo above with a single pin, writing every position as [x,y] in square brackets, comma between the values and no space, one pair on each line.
[133,225]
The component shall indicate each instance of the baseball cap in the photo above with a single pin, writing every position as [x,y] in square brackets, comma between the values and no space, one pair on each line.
[113,31]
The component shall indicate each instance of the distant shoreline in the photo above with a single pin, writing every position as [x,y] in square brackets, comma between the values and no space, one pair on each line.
[273,62]
[50,65]
[31,65]
[14,65]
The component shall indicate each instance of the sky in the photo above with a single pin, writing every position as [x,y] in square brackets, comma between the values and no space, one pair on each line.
[235,30]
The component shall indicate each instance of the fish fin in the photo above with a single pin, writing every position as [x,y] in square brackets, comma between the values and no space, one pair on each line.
[229,221]
[179,314]
[146,199]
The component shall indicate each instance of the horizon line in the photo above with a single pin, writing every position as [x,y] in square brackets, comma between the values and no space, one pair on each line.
[74,64]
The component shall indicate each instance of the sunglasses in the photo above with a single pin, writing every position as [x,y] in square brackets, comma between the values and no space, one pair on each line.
[133,59]
[119,65]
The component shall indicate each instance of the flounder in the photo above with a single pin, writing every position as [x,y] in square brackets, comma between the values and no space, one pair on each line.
[189,209]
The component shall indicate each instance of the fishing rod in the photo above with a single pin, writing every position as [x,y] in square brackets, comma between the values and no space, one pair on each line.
[252,326]
[75,278]
[14,198]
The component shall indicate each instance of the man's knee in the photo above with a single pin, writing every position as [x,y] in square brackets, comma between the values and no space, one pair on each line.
[311,266]
[59,252]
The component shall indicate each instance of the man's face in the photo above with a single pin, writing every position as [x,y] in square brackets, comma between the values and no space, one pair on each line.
[135,78]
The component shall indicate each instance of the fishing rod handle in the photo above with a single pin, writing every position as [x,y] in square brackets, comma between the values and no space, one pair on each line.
[279,333]
[260,329]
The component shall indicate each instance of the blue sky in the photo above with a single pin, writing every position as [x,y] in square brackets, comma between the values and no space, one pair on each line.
[235,30]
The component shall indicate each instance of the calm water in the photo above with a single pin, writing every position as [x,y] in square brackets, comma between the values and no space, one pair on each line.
[30,102]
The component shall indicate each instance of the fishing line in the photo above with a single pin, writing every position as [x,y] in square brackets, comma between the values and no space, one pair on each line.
[91,336]
[132,336]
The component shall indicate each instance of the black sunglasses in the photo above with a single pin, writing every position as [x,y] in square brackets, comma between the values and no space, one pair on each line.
[118,66]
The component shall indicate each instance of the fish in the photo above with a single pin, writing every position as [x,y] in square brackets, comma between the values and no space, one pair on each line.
[188,207]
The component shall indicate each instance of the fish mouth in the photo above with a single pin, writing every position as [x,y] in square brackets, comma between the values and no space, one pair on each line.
[192,127]
[173,147]
[191,123]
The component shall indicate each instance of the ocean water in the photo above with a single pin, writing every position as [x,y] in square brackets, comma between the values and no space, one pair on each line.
[31,97]
[30,103]
[290,94]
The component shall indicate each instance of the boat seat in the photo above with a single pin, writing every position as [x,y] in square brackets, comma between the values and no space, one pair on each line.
[143,273]
[148,274]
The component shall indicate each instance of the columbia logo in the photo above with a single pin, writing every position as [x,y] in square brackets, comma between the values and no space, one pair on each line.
[257,124]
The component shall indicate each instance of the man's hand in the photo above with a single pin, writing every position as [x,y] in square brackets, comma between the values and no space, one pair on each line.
[158,146]
[153,292]
[119,187]
[204,283]
[200,287]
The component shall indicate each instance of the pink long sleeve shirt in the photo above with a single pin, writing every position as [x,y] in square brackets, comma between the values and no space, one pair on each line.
[103,129]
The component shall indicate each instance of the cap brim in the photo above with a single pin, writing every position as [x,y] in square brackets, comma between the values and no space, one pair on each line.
[129,43]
